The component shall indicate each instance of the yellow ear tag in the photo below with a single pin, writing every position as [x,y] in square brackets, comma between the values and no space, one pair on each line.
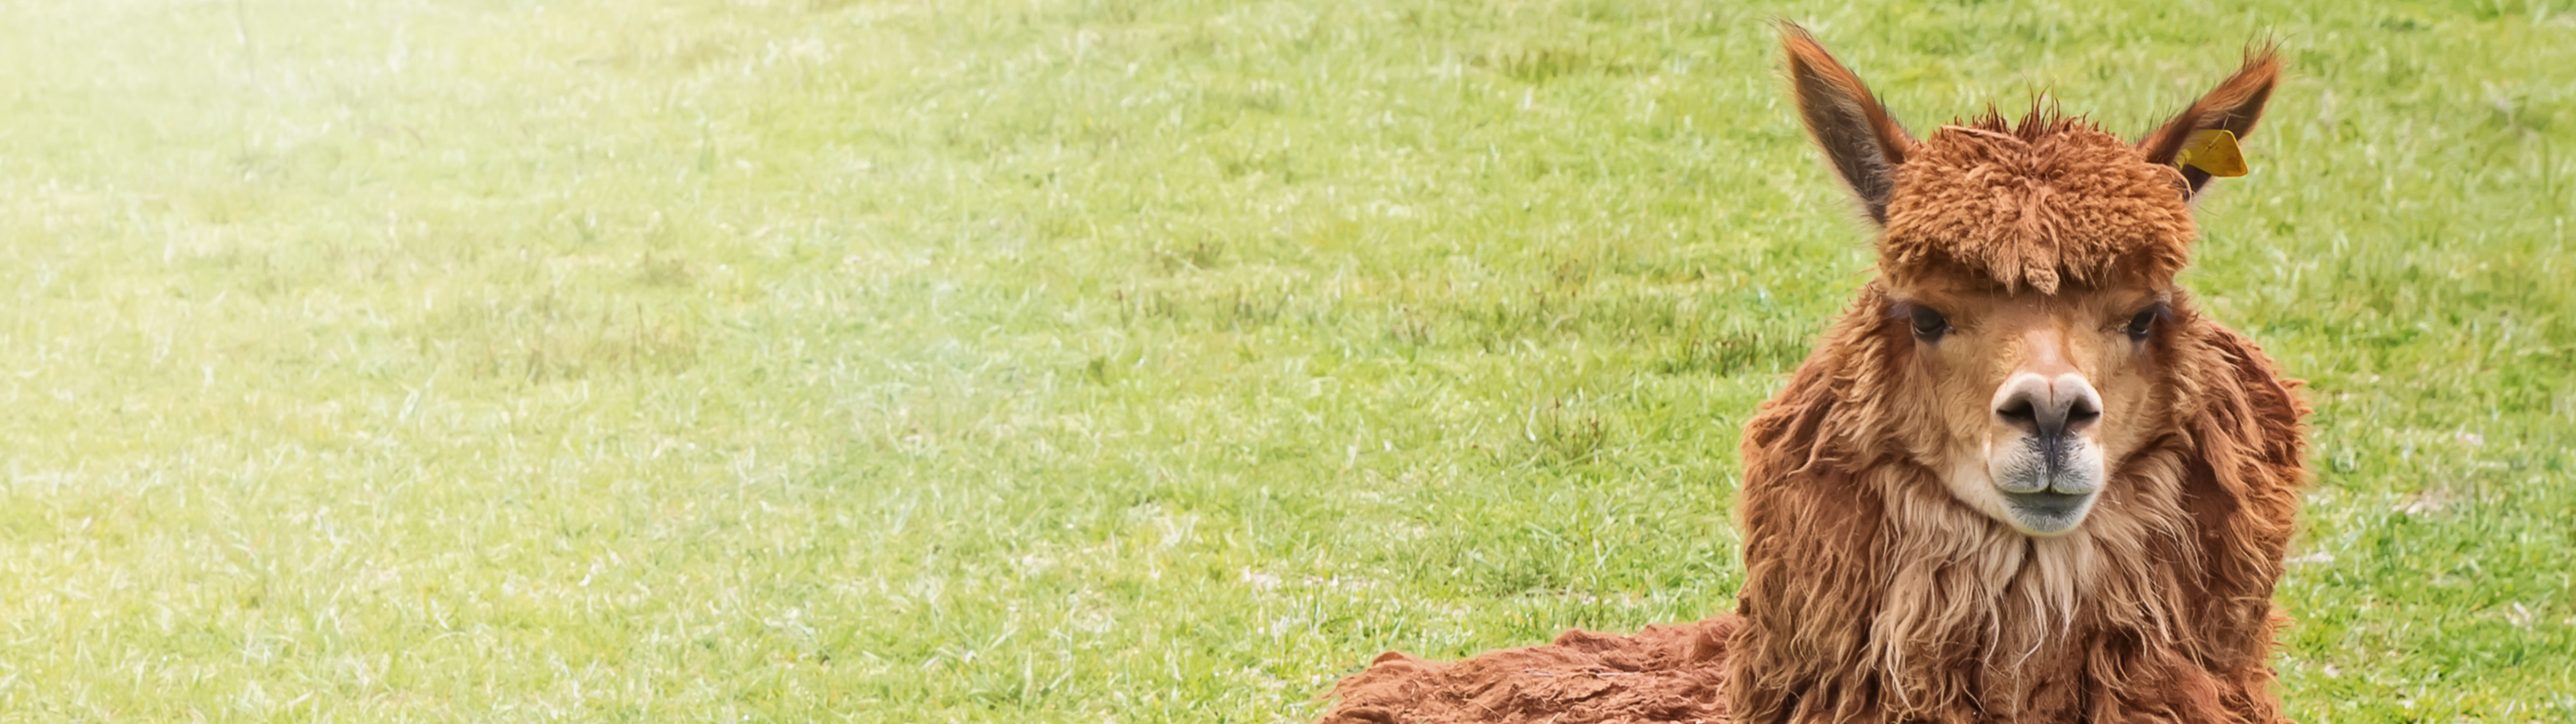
[2213,151]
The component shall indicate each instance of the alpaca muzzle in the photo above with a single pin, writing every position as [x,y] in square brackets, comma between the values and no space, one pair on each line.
[2045,456]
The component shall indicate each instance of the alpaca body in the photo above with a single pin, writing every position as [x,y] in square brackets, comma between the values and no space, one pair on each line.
[2020,479]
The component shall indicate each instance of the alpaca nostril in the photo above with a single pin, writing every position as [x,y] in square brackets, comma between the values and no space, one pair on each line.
[2019,412]
[2083,411]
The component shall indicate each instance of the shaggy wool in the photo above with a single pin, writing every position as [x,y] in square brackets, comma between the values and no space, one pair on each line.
[1665,674]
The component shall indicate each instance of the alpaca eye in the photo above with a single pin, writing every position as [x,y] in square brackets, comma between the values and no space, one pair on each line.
[1929,325]
[2140,325]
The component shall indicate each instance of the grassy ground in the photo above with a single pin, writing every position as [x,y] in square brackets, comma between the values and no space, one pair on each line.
[1127,360]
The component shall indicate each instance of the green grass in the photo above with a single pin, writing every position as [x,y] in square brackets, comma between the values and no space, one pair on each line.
[1127,360]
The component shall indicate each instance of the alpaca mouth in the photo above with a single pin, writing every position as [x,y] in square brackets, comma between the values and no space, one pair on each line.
[2047,512]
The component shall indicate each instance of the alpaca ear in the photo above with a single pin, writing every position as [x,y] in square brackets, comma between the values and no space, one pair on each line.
[1864,144]
[2233,107]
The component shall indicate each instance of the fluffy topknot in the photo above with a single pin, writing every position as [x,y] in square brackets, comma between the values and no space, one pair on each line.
[2041,203]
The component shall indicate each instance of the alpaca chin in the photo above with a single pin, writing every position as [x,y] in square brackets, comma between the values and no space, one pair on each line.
[2038,501]
[2047,513]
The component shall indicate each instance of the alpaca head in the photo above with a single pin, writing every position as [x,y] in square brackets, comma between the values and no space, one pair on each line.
[2026,283]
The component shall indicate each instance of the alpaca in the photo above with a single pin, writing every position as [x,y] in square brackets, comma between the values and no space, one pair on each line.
[2021,478]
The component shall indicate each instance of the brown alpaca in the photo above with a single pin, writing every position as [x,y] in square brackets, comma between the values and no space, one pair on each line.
[2022,479]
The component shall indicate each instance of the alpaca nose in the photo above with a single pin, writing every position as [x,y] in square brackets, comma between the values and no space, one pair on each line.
[2049,407]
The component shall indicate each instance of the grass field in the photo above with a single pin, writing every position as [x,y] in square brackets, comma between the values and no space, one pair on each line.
[1125,360]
